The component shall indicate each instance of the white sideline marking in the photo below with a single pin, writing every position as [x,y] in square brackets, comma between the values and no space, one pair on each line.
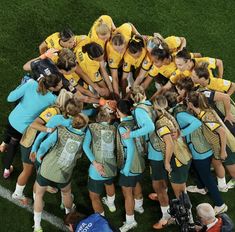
[57,222]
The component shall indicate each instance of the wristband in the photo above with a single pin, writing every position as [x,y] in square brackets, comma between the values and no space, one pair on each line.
[49,130]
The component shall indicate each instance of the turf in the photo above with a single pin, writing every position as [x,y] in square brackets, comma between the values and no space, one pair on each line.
[207,25]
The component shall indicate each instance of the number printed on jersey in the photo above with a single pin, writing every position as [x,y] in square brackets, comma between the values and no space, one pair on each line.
[68,154]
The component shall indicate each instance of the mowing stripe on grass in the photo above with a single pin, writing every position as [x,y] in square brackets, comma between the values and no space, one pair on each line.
[57,222]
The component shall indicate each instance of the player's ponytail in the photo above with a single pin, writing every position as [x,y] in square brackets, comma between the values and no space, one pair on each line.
[136,44]
[46,82]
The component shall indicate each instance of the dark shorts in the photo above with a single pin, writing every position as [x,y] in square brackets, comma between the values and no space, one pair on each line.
[179,174]
[45,182]
[97,186]
[157,170]
[12,132]
[25,152]
[230,160]
[129,181]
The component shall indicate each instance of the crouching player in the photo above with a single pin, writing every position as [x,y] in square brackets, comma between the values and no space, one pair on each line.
[57,165]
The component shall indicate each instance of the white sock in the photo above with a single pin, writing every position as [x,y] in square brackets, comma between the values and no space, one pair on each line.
[221,182]
[67,210]
[130,218]
[37,219]
[19,189]
[165,213]
[139,203]
[102,214]
[111,199]
[34,194]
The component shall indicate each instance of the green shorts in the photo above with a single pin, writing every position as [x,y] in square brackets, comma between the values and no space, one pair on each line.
[157,170]
[25,152]
[179,175]
[129,181]
[230,160]
[45,182]
[97,186]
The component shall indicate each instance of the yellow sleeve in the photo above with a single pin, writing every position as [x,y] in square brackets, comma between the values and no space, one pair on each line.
[173,78]
[146,64]
[127,63]
[112,57]
[163,131]
[173,42]
[153,72]
[48,113]
[210,61]
[51,40]
[126,30]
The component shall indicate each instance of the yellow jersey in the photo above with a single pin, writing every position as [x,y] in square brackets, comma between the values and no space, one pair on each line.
[187,73]
[114,57]
[53,41]
[130,61]
[92,33]
[163,131]
[48,113]
[165,70]
[219,84]
[147,63]
[88,66]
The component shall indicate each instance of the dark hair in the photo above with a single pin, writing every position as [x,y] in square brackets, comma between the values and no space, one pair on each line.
[93,49]
[66,60]
[124,106]
[73,218]
[184,54]
[66,34]
[136,44]
[118,39]
[198,100]
[185,83]
[171,97]
[202,71]
[46,82]
[160,54]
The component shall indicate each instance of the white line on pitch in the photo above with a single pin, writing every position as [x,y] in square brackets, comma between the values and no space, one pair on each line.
[57,222]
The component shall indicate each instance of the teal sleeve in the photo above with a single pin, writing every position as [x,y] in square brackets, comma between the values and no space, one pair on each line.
[144,122]
[129,144]
[57,120]
[86,146]
[46,145]
[17,93]
[192,123]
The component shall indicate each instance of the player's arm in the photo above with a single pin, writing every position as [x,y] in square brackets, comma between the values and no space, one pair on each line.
[43,47]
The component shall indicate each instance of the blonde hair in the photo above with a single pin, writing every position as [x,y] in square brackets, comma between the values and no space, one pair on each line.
[102,28]
[103,115]
[138,94]
[62,98]
[160,103]
[66,59]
